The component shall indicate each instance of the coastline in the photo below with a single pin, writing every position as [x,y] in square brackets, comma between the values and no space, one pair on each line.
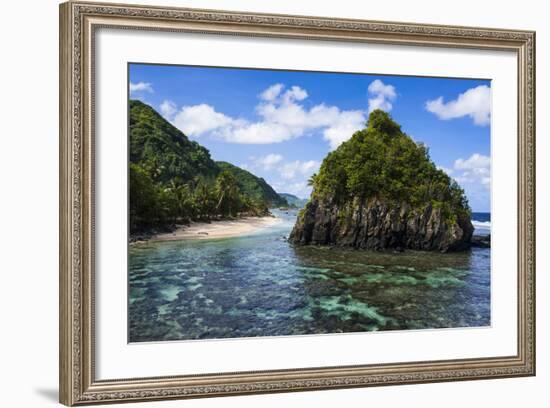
[217,229]
[229,228]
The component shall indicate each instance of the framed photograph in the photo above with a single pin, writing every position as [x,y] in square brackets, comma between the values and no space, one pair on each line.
[256,203]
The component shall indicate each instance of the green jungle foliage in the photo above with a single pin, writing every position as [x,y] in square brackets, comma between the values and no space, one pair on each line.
[381,161]
[164,151]
[253,186]
[173,179]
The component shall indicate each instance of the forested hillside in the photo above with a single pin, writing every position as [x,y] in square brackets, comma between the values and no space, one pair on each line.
[174,180]
[253,186]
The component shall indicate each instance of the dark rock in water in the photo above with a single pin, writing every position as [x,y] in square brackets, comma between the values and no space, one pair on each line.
[376,224]
[380,190]
[481,241]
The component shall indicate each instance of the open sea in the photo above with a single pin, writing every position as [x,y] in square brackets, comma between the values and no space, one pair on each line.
[260,285]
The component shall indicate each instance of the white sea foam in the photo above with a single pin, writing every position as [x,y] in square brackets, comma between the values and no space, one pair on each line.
[484,225]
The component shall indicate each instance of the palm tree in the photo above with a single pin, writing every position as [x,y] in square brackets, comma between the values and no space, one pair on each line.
[227,192]
[182,194]
[311,180]
[201,198]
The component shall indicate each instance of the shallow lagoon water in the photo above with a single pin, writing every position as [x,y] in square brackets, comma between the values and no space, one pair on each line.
[260,285]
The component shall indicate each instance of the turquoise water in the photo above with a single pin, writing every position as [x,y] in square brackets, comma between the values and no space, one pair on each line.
[260,285]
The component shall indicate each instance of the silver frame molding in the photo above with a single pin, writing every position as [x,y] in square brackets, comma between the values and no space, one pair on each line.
[78,22]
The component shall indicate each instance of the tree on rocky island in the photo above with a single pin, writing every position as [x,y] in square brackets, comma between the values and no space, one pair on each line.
[379,190]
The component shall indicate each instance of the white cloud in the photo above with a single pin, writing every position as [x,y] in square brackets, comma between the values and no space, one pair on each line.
[256,133]
[446,170]
[343,127]
[475,102]
[141,87]
[299,189]
[267,162]
[272,92]
[378,87]
[475,161]
[302,168]
[474,176]
[289,170]
[282,118]
[168,109]
[295,93]
[287,177]
[291,119]
[474,170]
[199,119]
[381,95]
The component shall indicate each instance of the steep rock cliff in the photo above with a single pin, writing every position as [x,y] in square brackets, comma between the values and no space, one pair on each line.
[380,190]
[376,224]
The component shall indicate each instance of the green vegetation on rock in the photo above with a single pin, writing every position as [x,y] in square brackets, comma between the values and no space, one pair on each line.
[253,186]
[380,190]
[381,161]
[164,151]
[174,179]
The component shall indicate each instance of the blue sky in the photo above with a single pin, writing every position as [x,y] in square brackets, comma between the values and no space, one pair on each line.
[281,124]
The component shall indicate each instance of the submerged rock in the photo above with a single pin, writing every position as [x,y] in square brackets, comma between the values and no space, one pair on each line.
[481,241]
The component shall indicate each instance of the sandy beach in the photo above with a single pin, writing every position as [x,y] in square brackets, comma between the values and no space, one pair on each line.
[218,229]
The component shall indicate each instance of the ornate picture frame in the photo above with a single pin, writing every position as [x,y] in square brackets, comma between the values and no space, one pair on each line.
[79,22]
